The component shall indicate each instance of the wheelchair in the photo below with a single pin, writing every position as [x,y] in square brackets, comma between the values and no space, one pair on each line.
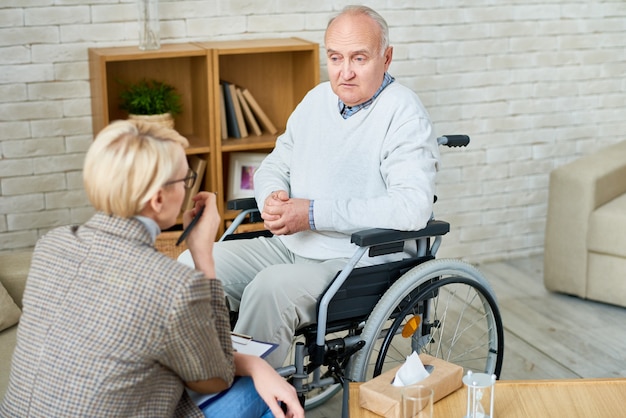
[369,319]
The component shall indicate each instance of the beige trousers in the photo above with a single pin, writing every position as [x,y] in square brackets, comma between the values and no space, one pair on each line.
[274,290]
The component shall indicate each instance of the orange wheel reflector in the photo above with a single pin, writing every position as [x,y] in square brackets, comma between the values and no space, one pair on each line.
[411,326]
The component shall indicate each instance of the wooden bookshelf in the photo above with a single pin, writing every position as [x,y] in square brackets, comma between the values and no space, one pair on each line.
[278,73]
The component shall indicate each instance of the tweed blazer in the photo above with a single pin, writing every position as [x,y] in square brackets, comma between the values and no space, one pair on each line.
[111,327]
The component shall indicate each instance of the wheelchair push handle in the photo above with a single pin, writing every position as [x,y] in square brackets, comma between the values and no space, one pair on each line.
[454,140]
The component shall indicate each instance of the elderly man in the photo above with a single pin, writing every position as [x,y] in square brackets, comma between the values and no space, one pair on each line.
[358,152]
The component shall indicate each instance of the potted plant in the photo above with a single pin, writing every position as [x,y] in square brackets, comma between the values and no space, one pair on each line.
[151,100]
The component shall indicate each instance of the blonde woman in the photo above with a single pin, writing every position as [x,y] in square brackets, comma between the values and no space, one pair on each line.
[110,326]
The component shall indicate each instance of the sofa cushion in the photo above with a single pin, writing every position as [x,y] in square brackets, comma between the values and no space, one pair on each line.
[8,340]
[604,226]
[9,312]
[14,267]
[606,279]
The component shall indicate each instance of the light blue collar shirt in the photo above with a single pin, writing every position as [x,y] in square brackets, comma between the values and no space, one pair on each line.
[151,226]
[347,111]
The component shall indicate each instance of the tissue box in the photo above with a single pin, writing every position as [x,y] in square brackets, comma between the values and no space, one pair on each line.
[380,397]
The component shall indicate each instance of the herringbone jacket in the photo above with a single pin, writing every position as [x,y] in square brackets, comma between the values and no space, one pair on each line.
[111,327]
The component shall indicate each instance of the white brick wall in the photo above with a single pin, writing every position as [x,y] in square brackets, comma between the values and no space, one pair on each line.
[535,83]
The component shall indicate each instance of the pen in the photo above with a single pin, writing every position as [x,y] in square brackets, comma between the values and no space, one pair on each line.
[244,336]
[193,223]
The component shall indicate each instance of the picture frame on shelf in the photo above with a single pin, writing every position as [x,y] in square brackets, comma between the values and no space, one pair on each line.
[241,173]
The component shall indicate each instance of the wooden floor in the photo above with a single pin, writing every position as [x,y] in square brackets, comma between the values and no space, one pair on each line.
[547,335]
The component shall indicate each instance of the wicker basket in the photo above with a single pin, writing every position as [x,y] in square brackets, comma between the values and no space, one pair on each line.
[165,119]
[166,244]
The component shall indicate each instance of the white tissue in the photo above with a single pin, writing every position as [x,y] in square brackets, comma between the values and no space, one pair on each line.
[411,372]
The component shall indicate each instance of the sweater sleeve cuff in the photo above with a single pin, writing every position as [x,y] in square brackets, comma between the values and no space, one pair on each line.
[311,218]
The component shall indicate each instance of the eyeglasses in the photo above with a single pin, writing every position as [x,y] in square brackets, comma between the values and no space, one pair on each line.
[188,181]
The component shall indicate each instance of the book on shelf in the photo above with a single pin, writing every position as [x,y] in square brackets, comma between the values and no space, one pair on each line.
[198,165]
[258,112]
[231,117]
[223,124]
[238,112]
[241,123]
[247,114]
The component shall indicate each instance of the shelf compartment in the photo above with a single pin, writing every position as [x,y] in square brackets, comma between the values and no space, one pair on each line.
[277,72]
[184,66]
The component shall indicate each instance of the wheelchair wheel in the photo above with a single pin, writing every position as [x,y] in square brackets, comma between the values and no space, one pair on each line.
[444,308]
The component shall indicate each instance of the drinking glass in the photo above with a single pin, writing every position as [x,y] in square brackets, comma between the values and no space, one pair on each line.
[417,402]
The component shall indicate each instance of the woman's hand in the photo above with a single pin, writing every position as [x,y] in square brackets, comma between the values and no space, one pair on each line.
[202,237]
[271,387]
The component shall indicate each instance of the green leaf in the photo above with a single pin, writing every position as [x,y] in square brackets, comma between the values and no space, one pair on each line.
[150,97]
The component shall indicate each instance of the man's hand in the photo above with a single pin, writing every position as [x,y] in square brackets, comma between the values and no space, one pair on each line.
[284,215]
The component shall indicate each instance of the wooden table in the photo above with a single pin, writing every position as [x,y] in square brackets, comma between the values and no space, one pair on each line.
[601,398]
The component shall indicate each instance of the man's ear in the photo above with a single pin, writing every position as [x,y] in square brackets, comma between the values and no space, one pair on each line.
[388,57]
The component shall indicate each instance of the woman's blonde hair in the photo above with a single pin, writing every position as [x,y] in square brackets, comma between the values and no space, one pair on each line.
[127,164]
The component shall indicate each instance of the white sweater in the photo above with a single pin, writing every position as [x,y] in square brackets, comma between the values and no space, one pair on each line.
[375,169]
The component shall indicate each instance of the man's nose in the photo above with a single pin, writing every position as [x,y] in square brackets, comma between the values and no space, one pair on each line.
[346,70]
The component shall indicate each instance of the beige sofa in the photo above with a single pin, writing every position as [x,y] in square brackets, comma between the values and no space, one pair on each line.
[585,243]
[13,272]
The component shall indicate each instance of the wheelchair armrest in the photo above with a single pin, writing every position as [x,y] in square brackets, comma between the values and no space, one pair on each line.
[241,204]
[378,236]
